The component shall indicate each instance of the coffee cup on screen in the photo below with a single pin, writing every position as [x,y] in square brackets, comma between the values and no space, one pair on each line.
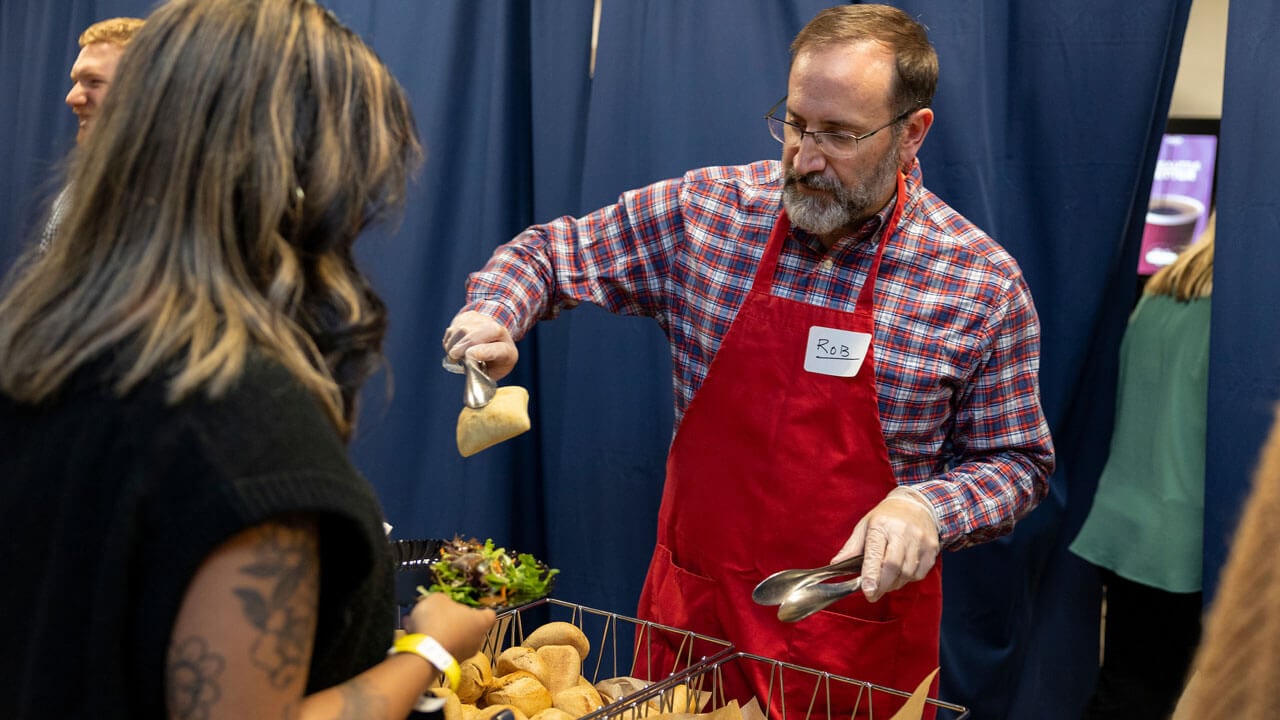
[1171,223]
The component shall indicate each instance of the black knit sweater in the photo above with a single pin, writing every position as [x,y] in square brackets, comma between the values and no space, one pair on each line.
[108,505]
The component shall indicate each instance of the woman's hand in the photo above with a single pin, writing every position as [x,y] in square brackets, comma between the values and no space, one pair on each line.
[461,629]
[242,641]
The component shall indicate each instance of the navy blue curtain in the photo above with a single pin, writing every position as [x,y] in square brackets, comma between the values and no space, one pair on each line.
[37,48]
[666,97]
[1244,359]
[1045,145]
[1039,139]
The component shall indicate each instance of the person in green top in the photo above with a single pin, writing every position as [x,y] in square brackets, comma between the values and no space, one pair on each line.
[1144,529]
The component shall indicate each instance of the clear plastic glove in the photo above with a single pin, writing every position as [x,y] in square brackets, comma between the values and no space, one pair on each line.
[898,540]
[480,337]
[461,629]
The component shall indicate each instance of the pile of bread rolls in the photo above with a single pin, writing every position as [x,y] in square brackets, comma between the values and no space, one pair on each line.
[541,679]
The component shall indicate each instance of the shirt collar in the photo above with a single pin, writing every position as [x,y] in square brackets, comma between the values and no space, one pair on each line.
[865,232]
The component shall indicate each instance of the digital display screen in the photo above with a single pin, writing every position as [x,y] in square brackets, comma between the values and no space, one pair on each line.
[1181,197]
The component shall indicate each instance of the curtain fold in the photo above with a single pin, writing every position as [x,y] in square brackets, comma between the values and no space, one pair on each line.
[465,66]
[1045,146]
[1244,355]
[676,86]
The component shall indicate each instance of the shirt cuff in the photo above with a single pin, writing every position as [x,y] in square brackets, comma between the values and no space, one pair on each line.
[910,493]
[500,313]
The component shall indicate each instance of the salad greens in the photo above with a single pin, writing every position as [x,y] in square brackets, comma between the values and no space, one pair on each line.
[483,575]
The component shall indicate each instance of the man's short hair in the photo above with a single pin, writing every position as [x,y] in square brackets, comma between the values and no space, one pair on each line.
[117,31]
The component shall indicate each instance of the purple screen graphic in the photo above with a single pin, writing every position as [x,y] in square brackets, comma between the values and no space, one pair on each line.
[1181,195]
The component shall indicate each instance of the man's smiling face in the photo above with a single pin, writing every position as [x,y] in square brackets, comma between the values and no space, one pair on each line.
[91,76]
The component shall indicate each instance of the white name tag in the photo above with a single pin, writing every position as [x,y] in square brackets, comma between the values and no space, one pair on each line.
[835,352]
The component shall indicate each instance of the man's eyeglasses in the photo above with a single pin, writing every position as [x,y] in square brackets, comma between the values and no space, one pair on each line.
[832,142]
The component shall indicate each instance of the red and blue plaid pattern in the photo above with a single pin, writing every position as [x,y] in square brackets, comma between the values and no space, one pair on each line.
[957,338]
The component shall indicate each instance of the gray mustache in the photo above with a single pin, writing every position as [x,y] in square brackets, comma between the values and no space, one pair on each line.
[814,181]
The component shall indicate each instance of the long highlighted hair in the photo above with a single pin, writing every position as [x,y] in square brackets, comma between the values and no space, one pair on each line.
[243,147]
[1190,275]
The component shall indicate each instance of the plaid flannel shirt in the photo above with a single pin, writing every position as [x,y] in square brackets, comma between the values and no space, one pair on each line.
[957,337]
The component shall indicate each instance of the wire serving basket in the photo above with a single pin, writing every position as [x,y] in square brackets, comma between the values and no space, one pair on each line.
[810,694]
[620,645]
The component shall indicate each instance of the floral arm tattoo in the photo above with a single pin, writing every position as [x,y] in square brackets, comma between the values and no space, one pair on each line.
[283,570]
[277,594]
[193,678]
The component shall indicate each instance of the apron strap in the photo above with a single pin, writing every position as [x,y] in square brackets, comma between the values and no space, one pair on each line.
[782,228]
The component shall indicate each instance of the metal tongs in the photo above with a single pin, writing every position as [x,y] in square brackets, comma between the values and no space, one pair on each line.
[799,593]
[480,387]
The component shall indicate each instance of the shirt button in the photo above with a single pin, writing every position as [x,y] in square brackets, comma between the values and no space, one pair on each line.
[827,264]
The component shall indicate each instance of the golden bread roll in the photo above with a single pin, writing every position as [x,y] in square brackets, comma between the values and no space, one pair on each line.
[678,699]
[476,675]
[559,633]
[553,713]
[506,416]
[614,689]
[487,712]
[561,667]
[452,705]
[519,657]
[520,690]
[577,700]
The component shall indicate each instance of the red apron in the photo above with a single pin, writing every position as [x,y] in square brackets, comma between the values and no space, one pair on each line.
[771,468]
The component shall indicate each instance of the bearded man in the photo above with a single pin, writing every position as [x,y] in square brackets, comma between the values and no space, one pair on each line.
[856,364]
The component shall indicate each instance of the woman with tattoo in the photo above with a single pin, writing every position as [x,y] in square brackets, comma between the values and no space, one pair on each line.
[182,534]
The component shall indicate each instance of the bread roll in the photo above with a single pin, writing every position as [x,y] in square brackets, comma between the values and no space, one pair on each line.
[489,711]
[476,675]
[452,705]
[520,690]
[678,699]
[577,700]
[559,633]
[506,416]
[520,657]
[614,689]
[561,667]
[553,713]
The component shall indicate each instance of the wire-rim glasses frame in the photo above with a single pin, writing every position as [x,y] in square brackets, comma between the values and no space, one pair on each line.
[832,142]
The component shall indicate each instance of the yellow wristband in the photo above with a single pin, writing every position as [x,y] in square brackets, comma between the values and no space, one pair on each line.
[429,649]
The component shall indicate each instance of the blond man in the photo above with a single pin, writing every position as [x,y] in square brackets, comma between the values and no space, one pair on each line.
[101,45]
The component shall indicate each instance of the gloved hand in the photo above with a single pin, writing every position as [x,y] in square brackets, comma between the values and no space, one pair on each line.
[480,337]
[898,540]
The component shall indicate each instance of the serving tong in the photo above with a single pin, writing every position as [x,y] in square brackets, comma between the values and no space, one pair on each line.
[801,592]
[480,388]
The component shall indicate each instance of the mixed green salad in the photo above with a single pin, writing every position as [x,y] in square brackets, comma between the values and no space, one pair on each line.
[483,575]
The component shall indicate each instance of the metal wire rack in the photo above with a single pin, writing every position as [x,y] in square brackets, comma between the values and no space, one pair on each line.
[620,645]
[811,695]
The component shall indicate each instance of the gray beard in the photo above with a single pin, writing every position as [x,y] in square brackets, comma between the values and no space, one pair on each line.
[844,207]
